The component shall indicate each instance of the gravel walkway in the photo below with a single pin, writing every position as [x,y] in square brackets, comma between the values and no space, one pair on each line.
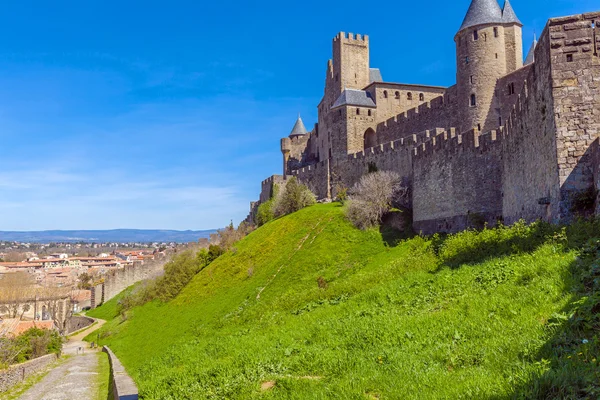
[74,378]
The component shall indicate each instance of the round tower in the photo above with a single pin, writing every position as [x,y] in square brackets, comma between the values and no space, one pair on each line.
[482,57]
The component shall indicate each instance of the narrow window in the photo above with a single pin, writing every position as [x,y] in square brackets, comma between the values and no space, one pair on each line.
[369,112]
[358,111]
[471,79]
[594,26]
[485,37]
[337,78]
[495,32]
[475,35]
[473,100]
[496,56]
[409,96]
[479,127]
[511,89]
[397,94]
[421,97]
[385,95]
[500,121]
[467,60]
[569,57]
[340,113]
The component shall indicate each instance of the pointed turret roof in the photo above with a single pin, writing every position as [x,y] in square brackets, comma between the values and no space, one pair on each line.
[299,128]
[482,12]
[508,14]
[530,59]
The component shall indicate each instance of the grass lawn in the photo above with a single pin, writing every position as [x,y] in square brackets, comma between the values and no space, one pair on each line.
[308,307]
[103,378]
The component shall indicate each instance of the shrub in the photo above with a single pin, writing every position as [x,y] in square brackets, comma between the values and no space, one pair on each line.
[372,197]
[178,273]
[228,237]
[265,213]
[342,194]
[294,197]
[33,343]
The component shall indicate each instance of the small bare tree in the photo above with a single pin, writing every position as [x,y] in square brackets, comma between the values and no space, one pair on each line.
[372,197]
[17,291]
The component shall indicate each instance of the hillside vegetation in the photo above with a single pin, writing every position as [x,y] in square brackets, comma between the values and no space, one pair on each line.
[308,307]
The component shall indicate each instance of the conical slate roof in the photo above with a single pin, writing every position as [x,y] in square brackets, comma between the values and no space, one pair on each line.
[482,12]
[531,54]
[508,14]
[299,128]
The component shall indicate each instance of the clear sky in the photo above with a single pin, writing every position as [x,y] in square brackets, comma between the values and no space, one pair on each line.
[168,114]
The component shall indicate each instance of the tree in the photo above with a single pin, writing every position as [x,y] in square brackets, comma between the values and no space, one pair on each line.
[85,281]
[294,197]
[374,196]
[16,291]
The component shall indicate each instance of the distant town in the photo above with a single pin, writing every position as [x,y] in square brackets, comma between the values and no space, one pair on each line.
[36,278]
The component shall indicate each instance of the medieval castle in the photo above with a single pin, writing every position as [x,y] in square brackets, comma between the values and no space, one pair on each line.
[511,140]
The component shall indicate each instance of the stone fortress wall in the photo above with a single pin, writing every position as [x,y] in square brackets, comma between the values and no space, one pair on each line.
[526,150]
[120,279]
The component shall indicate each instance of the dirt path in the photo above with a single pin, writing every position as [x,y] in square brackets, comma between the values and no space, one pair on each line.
[73,379]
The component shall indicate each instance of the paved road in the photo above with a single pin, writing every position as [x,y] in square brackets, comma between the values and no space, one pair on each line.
[73,379]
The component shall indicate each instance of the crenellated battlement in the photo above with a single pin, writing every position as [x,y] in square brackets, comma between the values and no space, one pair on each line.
[351,38]
[451,143]
[540,120]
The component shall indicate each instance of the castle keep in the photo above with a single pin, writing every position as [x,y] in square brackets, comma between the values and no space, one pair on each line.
[511,140]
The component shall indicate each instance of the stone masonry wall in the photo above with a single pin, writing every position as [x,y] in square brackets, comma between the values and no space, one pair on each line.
[317,178]
[76,323]
[575,68]
[118,280]
[15,374]
[267,187]
[530,183]
[393,98]
[440,112]
[506,98]
[457,182]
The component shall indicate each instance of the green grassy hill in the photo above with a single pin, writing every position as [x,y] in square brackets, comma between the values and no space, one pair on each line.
[307,307]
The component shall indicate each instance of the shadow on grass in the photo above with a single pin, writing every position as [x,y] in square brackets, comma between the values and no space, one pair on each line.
[473,247]
[396,227]
[567,364]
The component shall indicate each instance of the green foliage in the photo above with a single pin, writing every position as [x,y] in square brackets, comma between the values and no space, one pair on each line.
[342,194]
[583,202]
[103,378]
[331,312]
[31,344]
[85,281]
[265,213]
[294,197]
[178,273]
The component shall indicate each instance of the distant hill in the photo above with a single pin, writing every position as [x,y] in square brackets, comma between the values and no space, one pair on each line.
[102,236]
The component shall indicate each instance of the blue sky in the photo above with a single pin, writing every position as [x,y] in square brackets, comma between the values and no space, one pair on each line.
[154,114]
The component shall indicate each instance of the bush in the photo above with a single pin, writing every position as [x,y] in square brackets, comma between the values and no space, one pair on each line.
[33,343]
[372,197]
[228,237]
[294,197]
[342,194]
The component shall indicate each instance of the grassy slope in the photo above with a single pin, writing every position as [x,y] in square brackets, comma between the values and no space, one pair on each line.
[390,324]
